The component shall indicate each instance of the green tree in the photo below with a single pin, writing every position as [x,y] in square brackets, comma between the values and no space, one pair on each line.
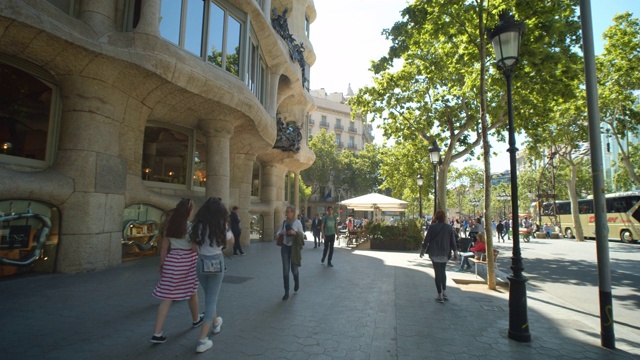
[321,172]
[621,178]
[618,79]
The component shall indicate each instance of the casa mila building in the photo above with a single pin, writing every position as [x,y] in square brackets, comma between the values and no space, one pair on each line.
[112,111]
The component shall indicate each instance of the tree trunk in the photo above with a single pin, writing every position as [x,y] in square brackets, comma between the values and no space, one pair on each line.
[573,196]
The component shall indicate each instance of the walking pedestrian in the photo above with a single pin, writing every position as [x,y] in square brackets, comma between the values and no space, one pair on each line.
[291,251]
[234,219]
[211,233]
[178,280]
[315,229]
[329,231]
[500,230]
[439,242]
[507,227]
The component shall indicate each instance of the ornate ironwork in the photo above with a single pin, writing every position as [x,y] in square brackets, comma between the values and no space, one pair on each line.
[289,137]
[296,50]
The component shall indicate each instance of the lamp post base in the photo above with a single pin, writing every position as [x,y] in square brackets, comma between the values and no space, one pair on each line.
[518,320]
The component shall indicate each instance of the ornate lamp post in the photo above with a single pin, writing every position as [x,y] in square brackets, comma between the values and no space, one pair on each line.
[420,181]
[504,197]
[434,154]
[505,38]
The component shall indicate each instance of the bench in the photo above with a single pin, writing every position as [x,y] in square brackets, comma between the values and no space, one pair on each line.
[483,260]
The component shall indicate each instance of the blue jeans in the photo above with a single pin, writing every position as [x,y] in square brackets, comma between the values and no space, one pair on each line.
[211,285]
[464,264]
[285,253]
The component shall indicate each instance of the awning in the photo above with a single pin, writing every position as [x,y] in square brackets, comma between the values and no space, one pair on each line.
[373,201]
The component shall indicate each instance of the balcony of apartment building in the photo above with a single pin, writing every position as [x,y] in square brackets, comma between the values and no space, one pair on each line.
[340,145]
[352,147]
[324,124]
[338,127]
[353,129]
[311,121]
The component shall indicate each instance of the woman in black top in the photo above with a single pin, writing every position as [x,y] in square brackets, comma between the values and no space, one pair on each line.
[438,243]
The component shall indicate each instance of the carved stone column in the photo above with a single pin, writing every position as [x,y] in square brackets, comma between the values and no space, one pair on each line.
[99,15]
[218,133]
[149,18]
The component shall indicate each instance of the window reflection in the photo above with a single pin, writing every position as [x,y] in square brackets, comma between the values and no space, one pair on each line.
[170,12]
[216,28]
[25,114]
[165,155]
[233,46]
[193,28]
[200,168]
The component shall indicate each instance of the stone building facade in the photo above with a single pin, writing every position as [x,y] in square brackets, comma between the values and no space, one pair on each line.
[332,114]
[115,110]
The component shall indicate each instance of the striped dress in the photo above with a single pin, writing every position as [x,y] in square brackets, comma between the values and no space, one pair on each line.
[179,280]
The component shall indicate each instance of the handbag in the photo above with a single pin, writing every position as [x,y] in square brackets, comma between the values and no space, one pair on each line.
[211,264]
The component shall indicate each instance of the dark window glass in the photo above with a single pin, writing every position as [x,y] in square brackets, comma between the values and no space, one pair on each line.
[585,206]
[25,113]
[170,12]
[165,155]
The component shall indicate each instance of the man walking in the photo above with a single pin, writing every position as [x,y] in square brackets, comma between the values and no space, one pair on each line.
[315,229]
[329,230]
[507,227]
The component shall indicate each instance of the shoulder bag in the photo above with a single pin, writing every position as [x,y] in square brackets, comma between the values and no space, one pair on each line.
[211,264]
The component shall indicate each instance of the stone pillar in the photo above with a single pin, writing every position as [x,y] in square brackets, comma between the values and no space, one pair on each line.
[149,18]
[88,152]
[218,133]
[99,15]
[271,182]
[244,170]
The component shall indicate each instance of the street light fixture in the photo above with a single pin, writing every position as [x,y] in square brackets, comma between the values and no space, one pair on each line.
[434,154]
[505,38]
[420,181]
[504,197]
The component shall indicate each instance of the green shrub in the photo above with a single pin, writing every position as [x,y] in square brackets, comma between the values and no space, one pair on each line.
[405,235]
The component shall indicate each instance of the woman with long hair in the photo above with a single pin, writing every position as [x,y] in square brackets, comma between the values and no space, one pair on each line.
[178,279]
[438,243]
[212,234]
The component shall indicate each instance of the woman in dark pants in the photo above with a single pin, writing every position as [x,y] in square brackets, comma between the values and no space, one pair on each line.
[438,243]
[234,219]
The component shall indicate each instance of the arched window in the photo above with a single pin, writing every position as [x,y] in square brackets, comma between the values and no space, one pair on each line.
[29,115]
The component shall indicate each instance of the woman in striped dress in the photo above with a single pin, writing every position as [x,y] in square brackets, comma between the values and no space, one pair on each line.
[177,268]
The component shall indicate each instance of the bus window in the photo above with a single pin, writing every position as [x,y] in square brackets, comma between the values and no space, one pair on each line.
[585,206]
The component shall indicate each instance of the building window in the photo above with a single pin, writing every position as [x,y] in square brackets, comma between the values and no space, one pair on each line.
[255,180]
[29,114]
[200,163]
[165,156]
[206,29]
[352,142]
[256,77]
[307,26]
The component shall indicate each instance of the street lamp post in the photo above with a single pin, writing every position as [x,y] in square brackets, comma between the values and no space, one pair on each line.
[505,38]
[434,154]
[420,181]
[504,197]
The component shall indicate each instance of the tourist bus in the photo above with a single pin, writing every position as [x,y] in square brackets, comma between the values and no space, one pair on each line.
[623,216]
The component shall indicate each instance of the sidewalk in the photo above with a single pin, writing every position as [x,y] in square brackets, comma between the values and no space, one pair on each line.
[371,305]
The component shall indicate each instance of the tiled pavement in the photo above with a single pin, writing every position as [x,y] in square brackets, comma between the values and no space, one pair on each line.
[371,305]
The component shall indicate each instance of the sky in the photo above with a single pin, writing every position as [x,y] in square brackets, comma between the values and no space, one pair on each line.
[346,36]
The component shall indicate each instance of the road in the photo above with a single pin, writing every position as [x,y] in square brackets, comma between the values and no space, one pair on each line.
[567,270]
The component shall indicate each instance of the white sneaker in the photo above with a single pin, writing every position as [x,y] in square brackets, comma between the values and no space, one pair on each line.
[216,328]
[204,345]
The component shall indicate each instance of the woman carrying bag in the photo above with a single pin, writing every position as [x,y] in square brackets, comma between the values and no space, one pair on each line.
[439,242]
[212,234]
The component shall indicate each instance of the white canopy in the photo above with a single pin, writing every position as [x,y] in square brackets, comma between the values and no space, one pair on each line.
[373,201]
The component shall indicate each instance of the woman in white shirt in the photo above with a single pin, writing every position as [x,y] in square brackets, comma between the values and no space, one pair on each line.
[211,233]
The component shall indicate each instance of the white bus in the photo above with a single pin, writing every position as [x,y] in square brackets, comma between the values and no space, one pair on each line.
[623,216]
